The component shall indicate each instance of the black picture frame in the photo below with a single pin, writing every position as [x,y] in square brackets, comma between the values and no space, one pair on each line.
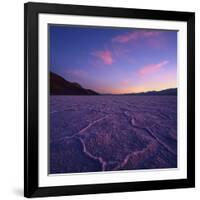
[31,12]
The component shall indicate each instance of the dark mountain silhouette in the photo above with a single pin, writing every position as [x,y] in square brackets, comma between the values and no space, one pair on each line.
[60,86]
[167,92]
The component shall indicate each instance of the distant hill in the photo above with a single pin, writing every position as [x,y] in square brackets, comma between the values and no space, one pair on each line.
[167,92]
[60,86]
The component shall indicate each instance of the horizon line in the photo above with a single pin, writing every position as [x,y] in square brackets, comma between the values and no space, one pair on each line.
[100,93]
[137,92]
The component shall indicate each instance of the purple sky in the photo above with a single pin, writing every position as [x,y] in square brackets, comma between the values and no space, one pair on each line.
[114,60]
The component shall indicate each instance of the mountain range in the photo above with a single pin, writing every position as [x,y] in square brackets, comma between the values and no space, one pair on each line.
[167,92]
[60,86]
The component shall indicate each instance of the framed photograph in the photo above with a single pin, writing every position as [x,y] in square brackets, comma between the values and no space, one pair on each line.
[109,99]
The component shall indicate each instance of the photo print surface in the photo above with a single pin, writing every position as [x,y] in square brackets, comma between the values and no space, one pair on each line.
[112,99]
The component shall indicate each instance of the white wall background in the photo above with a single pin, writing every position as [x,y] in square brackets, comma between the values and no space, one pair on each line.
[11,100]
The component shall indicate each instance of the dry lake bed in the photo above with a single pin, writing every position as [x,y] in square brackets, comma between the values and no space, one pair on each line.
[106,133]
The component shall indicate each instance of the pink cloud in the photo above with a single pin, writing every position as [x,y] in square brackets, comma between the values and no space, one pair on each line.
[126,37]
[135,35]
[151,33]
[105,56]
[125,82]
[149,69]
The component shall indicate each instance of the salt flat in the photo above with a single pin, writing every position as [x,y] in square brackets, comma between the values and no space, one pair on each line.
[102,133]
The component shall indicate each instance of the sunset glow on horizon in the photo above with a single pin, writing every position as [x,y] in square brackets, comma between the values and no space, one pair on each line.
[114,60]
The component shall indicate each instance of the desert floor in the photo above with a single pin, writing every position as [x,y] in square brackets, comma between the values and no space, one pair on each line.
[106,133]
